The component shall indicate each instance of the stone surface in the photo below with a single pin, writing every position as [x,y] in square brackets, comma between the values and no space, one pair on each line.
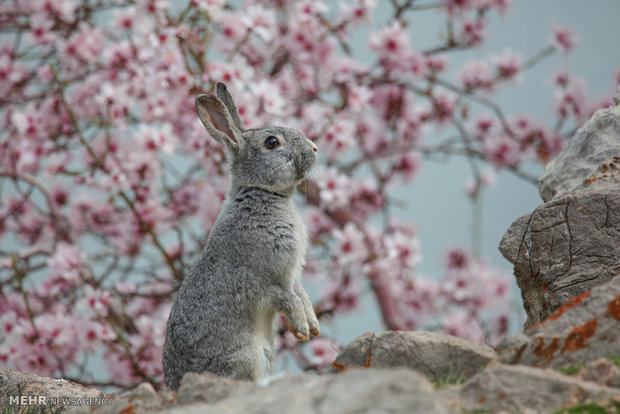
[601,371]
[15,383]
[566,246]
[583,329]
[596,142]
[572,242]
[442,358]
[518,389]
[206,387]
[141,399]
[396,390]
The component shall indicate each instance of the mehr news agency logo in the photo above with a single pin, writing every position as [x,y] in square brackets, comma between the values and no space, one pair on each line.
[34,394]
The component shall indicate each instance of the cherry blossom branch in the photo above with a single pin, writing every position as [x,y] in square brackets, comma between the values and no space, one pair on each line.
[98,164]
[56,218]
[479,99]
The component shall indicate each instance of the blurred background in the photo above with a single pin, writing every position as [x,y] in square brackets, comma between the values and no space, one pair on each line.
[437,201]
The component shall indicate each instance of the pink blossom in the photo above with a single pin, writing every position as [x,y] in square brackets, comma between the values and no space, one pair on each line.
[570,99]
[358,10]
[502,151]
[351,246]
[462,325]
[66,263]
[335,188]
[407,165]
[41,26]
[443,107]
[391,42]
[267,99]
[483,125]
[325,352]
[437,63]
[459,7]
[213,7]
[318,224]
[338,138]
[476,75]
[342,295]
[161,138]
[260,20]
[473,32]
[124,19]
[366,199]
[9,324]
[405,248]
[230,28]
[96,302]
[563,38]
[508,64]
[125,288]
[358,97]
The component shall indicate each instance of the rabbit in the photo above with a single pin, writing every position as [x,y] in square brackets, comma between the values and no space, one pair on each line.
[223,319]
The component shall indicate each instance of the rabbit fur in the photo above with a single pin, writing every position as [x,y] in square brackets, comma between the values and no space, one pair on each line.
[223,319]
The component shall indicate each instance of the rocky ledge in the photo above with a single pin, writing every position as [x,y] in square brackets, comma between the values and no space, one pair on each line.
[570,360]
[408,372]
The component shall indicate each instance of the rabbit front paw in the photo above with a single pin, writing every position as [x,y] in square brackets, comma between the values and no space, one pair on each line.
[296,321]
[313,323]
[300,331]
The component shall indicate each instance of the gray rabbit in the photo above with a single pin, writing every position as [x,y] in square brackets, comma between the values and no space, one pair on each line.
[223,319]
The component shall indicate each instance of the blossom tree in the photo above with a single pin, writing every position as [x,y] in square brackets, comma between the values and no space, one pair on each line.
[109,183]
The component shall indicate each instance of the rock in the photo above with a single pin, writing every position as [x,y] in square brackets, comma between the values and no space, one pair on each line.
[442,358]
[206,387]
[601,371]
[42,390]
[572,242]
[517,389]
[585,328]
[566,246]
[141,399]
[353,391]
[596,142]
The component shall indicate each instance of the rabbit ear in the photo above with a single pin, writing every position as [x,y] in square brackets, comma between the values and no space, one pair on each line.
[217,120]
[226,97]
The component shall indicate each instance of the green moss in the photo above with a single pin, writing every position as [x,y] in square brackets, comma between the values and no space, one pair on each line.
[609,407]
[571,370]
[614,360]
[444,380]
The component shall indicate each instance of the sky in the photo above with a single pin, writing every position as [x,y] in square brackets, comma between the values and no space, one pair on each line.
[435,200]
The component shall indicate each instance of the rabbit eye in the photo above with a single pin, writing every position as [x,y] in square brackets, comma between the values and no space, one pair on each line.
[271,142]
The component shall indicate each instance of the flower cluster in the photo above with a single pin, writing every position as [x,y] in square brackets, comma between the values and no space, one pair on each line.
[110,183]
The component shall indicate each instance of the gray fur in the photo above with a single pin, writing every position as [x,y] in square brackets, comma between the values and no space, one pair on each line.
[223,319]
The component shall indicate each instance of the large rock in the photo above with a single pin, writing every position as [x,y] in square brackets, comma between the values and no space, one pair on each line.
[521,389]
[42,390]
[141,399]
[568,245]
[396,390]
[583,329]
[601,371]
[442,358]
[207,387]
[572,242]
[596,142]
